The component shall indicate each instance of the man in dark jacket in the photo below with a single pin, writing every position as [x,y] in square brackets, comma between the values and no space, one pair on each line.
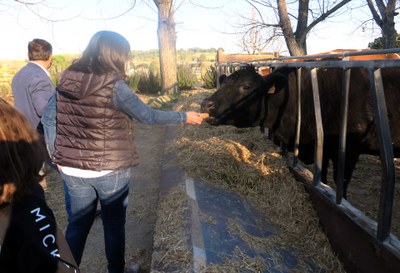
[32,86]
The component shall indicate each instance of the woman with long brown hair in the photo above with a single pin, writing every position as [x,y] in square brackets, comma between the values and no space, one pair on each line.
[89,132]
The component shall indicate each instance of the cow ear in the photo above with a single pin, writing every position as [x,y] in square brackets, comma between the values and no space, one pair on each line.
[275,82]
[221,78]
[271,89]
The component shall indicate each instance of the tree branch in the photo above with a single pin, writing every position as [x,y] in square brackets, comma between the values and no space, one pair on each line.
[327,14]
[374,13]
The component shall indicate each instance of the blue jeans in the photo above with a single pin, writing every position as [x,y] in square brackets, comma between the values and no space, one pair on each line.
[84,193]
[66,195]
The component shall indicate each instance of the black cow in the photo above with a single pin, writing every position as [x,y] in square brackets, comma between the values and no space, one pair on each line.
[247,99]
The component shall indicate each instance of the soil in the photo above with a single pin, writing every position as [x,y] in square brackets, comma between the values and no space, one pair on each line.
[364,190]
[142,206]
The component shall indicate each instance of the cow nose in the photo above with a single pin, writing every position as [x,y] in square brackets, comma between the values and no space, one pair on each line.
[206,105]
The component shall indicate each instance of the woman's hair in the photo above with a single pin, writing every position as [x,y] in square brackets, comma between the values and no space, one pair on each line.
[107,52]
[39,50]
[21,155]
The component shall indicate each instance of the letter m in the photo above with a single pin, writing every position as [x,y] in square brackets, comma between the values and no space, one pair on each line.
[39,217]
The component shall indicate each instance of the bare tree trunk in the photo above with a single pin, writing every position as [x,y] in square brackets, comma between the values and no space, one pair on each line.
[385,20]
[293,44]
[167,46]
[296,39]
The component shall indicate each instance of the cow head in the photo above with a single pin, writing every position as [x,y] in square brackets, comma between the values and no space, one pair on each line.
[242,98]
[238,101]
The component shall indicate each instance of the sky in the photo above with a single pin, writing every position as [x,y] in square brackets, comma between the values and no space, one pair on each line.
[71,23]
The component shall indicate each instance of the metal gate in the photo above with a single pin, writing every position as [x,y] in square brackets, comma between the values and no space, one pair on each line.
[362,244]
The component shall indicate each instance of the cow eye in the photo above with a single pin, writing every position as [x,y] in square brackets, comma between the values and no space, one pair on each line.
[246,87]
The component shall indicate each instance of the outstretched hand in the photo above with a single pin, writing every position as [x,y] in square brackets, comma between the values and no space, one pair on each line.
[193,118]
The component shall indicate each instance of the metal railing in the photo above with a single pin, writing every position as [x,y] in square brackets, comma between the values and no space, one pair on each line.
[338,60]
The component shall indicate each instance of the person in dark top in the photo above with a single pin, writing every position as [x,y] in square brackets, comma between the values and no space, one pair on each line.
[28,228]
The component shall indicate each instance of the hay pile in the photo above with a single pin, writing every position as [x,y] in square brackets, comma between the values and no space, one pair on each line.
[171,251]
[244,161]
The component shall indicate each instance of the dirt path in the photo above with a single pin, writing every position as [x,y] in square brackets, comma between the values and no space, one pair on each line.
[141,214]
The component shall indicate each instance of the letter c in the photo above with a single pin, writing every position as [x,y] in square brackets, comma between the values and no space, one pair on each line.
[51,237]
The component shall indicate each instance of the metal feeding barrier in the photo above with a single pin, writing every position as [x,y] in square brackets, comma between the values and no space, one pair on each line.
[363,245]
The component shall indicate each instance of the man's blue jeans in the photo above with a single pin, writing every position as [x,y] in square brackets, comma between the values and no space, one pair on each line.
[112,192]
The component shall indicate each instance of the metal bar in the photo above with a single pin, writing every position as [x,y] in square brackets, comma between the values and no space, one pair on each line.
[218,74]
[349,53]
[326,56]
[343,134]
[386,155]
[319,141]
[328,64]
[298,121]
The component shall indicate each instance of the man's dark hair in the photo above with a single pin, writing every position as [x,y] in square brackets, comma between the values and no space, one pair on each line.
[39,50]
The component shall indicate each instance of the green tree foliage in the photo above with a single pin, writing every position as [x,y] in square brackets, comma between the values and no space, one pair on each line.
[149,82]
[184,55]
[134,81]
[7,72]
[210,77]
[378,43]
[186,77]
[60,63]
[202,58]
[5,90]
[144,56]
